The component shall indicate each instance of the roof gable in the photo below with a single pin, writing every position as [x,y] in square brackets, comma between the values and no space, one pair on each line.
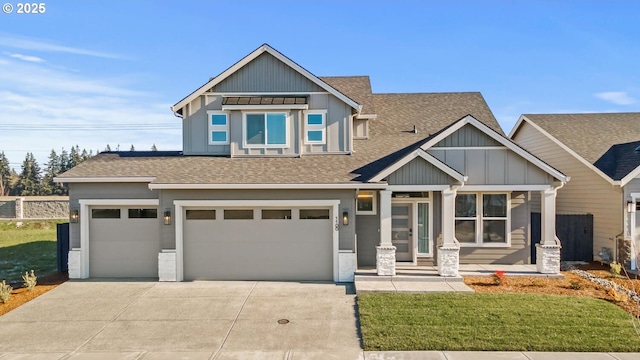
[265,48]
[467,136]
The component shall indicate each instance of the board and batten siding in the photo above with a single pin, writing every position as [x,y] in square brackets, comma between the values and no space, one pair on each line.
[368,235]
[419,172]
[586,192]
[79,191]
[467,135]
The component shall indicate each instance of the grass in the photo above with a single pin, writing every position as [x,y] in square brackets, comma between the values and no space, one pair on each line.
[494,322]
[29,246]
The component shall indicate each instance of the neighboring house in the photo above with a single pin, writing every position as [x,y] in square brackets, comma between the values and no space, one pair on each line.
[601,154]
[288,176]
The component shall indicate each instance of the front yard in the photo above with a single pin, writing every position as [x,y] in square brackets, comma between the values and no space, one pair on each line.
[494,322]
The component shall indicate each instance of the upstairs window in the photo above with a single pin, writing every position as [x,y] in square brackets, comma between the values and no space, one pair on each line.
[218,128]
[266,129]
[315,127]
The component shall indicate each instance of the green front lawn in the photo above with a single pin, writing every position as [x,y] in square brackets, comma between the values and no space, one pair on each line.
[494,322]
[30,246]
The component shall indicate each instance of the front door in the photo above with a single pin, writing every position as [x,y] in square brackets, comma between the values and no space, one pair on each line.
[402,231]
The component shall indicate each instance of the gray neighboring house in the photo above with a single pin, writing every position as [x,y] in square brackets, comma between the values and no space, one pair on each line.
[601,154]
[284,175]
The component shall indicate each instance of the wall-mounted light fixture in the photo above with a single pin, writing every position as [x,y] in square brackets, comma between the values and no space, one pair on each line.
[167,216]
[75,215]
[630,206]
[345,217]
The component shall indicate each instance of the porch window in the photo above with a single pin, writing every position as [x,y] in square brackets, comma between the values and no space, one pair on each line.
[482,219]
[265,129]
[218,128]
[366,203]
[315,127]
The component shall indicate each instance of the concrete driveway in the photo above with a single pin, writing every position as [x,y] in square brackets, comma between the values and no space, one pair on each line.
[191,320]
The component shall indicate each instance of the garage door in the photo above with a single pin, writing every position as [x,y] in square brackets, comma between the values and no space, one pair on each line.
[258,244]
[124,242]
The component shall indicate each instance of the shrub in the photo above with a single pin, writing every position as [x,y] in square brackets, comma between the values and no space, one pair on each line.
[30,280]
[538,282]
[499,277]
[618,296]
[5,292]
[575,285]
[614,269]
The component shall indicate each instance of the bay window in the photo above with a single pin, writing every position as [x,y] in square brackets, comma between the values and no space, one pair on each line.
[265,129]
[482,219]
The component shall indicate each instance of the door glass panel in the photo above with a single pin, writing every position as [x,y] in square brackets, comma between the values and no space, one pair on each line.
[400,210]
[399,235]
[423,228]
[400,223]
[403,248]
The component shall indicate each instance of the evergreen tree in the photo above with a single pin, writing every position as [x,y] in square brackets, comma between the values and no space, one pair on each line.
[5,173]
[53,169]
[75,157]
[132,148]
[30,180]
[108,148]
[154,148]
[63,161]
[85,155]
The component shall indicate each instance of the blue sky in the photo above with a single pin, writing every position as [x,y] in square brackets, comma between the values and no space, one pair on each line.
[101,72]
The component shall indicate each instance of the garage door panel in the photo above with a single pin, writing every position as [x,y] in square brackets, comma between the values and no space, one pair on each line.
[258,250]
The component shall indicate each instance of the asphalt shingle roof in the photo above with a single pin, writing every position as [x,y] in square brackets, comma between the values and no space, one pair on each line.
[619,160]
[357,88]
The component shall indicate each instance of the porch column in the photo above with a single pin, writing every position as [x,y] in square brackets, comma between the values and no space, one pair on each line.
[548,251]
[385,252]
[449,251]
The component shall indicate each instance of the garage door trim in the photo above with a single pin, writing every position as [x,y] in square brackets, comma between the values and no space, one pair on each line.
[85,205]
[180,204]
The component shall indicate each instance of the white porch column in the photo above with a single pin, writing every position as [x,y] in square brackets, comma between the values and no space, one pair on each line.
[385,252]
[449,252]
[548,251]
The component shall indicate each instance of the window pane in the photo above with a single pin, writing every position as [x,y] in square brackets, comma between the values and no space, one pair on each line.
[311,214]
[423,228]
[276,129]
[494,205]
[315,135]
[255,129]
[400,210]
[201,215]
[400,223]
[105,213]
[276,214]
[314,119]
[466,231]
[365,202]
[238,214]
[218,119]
[219,136]
[494,231]
[465,205]
[143,213]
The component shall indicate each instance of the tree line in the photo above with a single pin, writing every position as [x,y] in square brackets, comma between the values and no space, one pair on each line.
[32,180]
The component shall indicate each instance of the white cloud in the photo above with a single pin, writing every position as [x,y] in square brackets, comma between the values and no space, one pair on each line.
[28,58]
[19,42]
[616,97]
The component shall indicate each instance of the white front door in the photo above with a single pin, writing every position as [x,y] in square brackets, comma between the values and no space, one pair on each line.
[402,230]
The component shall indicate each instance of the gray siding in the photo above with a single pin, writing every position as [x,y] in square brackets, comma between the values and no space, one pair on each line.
[346,197]
[492,166]
[195,127]
[338,131]
[586,193]
[419,172]
[360,129]
[368,230]
[266,74]
[468,135]
[79,191]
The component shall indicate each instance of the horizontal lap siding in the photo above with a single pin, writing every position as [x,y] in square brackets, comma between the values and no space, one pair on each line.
[586,192]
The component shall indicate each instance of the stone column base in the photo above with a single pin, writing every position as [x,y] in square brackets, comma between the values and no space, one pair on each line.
[548,259]
[167,265]
[75,264]
[448,260]
[386,260]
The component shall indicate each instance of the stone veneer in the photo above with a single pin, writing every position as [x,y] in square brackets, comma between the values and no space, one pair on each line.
[548,259]
[448,260]
[167,266]
[74,263]
[386,260]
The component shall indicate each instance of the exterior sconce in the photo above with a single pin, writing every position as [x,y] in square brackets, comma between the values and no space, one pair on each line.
[630,206]
[75,215]
[345,218]
[167,217]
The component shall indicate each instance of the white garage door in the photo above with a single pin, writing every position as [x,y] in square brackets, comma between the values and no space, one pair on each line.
[123,242]
[258,244]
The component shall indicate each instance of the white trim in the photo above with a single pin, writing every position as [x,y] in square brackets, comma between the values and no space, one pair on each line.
[180,204]
[261,93]
[630,176]
[479,218]
[468,148]
[414,225]
[398,188]
[266,107]
[563,146]
[266,145]
[428,158]
[499,138]
[156,186]
[367,116]
[374,199]
[106,179]
[218,128]
[85,218]
[506,188]
[632,229]
[247,59]
[322,127]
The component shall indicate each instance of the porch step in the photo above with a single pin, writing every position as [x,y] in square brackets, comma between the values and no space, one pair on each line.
[408,277]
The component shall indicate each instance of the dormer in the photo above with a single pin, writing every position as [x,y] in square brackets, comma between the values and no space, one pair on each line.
[267,105]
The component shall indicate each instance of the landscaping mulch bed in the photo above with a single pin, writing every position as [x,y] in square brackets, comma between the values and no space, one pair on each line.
[20,296]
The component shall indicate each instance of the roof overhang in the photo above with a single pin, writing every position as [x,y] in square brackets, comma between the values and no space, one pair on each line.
[105,179]
[428,158]
[524,119]
[167,186]
[630,176]
[247,59]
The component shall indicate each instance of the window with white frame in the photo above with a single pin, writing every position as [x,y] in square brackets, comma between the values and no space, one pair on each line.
[265,129]
[315,127]
[482,219]
[218,127]
[366,203]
